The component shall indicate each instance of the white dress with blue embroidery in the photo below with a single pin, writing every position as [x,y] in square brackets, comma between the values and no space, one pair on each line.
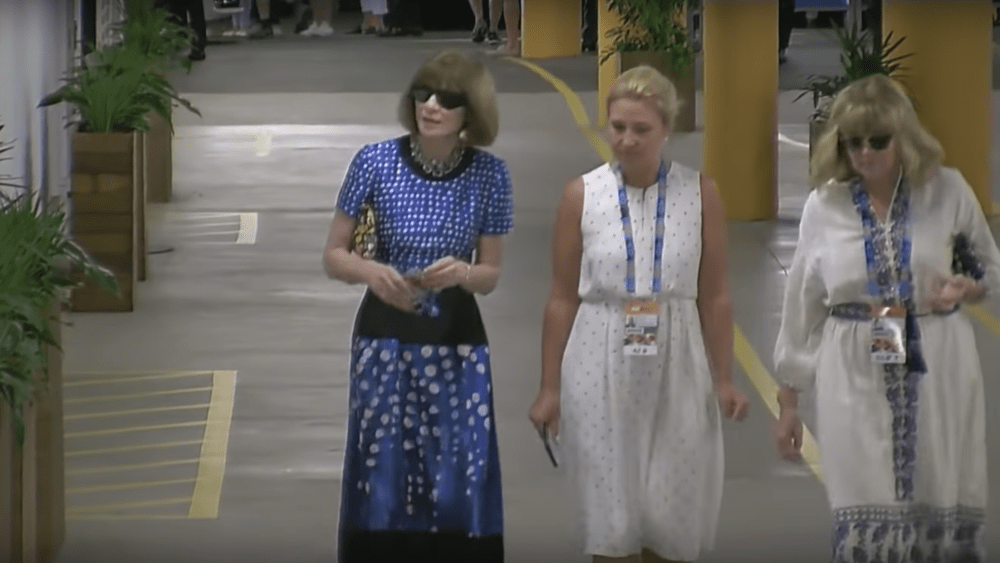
[903,450]
[422,471]
[641,435]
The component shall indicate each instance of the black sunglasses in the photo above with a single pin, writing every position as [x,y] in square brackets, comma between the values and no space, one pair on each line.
[875,142]
[446,98]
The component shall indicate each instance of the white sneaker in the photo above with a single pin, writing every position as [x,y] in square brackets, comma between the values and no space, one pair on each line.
[311,30]
[323,30]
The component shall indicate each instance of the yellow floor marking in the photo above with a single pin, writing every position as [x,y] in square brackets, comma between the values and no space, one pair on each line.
[120,517]
[987,319]
[767,387]
[126,486]
[114,374]
[132,467]
[127,429]
[133,448]
[744,353]
[575,107]
[126,505]
[212,468]
[128,379]
[107,414]
[127,396]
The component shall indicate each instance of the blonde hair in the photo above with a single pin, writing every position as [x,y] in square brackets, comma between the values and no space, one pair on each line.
[646,83]
[452,70]
[872,106]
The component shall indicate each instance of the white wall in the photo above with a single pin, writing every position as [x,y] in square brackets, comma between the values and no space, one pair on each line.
[36,51]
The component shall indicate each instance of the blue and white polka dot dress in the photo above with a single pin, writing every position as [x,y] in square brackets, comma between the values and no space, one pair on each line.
[422,471]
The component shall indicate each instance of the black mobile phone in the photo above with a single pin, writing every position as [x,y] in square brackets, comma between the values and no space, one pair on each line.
[544,435]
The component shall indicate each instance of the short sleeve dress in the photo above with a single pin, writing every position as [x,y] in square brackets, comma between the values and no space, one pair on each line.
[421,470]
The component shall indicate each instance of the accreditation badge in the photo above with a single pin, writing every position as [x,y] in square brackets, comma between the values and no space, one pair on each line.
[642,323]
[888,335]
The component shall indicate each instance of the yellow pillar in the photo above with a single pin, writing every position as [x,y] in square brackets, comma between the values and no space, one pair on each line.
[552,28]
[950,78]
[740,49]
[607,19]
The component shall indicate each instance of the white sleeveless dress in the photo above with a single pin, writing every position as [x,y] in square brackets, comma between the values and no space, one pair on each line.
[641,436]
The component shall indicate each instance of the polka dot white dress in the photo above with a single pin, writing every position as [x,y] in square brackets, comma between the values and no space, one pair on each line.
[641,436]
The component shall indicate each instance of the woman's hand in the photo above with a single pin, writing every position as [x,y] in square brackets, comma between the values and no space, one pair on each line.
[545,412]
[788,435]
[446,272]
[954,290]
[390,287]
[732,401]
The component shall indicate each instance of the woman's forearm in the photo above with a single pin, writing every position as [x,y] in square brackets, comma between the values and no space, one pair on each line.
[347,267]
[788,398]
[480,278]
[717,328]
[556,326]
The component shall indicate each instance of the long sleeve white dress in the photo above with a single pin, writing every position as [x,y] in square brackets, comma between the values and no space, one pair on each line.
[903,449]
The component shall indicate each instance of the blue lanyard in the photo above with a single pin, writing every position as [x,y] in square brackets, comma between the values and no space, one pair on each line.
[661,205]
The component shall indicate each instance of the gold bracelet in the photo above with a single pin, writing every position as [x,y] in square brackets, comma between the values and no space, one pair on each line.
[468,271]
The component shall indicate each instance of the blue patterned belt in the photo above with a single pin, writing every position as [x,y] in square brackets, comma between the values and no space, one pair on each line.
[863,311]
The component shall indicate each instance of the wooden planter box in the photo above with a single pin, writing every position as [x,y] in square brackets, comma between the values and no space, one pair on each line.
[108,215]
[688,112]
[158,160]
[32,478]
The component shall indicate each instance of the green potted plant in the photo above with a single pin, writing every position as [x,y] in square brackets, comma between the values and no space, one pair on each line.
[151,31]
[40,264]
[112,98]
[655,33]
[860,56]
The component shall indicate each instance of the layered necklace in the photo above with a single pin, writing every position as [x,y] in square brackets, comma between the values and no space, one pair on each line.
[436,168]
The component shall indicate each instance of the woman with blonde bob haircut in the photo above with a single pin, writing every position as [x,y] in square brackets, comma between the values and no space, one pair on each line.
[891,245]
[421,478]
[637,341]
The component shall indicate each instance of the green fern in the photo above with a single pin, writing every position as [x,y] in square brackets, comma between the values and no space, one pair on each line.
[860,56]
[650,25]
[34,271]
[116,92]
[151,31]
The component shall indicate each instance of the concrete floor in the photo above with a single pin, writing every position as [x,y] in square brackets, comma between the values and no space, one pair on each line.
[281,120]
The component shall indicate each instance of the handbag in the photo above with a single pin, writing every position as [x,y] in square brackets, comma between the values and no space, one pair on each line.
[964,260]
[364,241]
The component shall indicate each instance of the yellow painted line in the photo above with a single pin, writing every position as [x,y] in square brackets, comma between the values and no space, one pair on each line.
[113,374]
[575,107]
[83,516]
[127,429]
[131,467]
[987,319]
[745,355]
[133,448]
[126,486]
[767,387]
[127,396]
[107,414]
[127,505]
[212,468]
[129,379]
